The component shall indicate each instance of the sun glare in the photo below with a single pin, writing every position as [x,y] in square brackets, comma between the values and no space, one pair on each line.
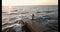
[6,8]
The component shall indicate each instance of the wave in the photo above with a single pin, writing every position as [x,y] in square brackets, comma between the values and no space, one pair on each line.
[49,19]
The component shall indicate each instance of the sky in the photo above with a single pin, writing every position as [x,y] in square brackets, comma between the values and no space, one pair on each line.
[28,2]
[7,4]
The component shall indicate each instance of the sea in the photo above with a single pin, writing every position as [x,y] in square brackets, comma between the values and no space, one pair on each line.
[47,14]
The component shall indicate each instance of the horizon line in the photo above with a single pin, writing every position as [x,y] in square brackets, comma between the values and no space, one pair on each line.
[24,5]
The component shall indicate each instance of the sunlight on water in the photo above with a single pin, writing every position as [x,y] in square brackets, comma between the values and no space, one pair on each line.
[47,15]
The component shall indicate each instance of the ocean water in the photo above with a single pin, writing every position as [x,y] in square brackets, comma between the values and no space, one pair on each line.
[46,14]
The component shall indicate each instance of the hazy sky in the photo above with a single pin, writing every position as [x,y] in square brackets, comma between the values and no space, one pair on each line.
[28,2]
[7,4]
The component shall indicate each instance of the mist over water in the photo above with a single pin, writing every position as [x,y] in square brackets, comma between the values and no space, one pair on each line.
[47,15]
